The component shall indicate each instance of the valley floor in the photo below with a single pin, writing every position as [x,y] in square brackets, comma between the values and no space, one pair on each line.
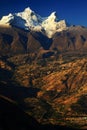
[50,90]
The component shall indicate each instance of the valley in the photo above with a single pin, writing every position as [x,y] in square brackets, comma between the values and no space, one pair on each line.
[49,90]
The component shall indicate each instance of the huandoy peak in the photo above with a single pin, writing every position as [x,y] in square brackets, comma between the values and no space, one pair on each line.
[28,9]
[53,16]
[29,20]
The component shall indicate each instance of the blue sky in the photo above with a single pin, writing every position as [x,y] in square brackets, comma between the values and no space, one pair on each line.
[74,11]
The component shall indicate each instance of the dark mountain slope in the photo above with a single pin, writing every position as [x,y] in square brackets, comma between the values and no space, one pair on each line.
[12,117]
[72,39]
[17,41]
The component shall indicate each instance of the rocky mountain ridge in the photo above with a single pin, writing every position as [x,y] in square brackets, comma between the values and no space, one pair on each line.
[18,41]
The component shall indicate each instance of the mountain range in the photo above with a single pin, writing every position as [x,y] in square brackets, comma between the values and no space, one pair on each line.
[28,32]
[29,20]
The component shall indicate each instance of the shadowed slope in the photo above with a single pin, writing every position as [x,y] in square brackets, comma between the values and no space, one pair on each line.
[12,118]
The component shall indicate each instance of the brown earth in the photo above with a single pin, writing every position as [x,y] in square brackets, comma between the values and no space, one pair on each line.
[53,91]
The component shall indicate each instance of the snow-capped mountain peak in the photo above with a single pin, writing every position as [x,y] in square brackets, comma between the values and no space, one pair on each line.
[26,13]
[28,10]
[7,19]
[29,20]
[53,17]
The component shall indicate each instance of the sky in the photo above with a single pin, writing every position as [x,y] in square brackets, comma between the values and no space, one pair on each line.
[73,11]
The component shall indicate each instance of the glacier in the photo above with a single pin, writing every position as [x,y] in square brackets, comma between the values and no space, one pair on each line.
[29,20]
